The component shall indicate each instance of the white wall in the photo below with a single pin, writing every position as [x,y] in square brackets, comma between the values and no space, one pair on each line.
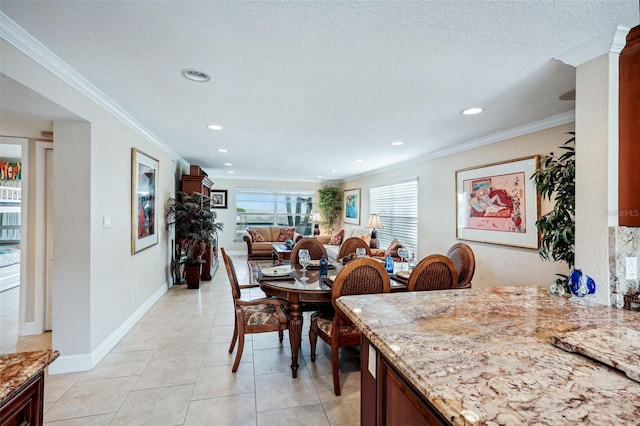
[105,287]
[595,82]
[495,265]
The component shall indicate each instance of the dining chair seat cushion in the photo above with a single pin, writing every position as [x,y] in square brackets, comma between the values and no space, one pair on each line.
[260,315]
[325,324]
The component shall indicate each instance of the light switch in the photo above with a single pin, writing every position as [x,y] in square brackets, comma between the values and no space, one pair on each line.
[632,268]
[106,222]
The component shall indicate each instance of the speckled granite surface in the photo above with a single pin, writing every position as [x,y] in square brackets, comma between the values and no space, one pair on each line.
[488,353]
[18,368]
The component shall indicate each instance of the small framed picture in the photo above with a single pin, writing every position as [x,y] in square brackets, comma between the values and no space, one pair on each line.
[219,198]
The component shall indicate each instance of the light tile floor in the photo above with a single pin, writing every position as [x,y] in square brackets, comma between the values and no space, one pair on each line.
[173,368]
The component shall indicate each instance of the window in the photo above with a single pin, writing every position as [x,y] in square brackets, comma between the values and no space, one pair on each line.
[265,207]
[397,206]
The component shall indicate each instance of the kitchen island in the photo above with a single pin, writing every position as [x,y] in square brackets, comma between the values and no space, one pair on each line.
[22,386]
[484,356]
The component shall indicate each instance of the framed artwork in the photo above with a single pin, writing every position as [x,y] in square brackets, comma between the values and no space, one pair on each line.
[352,206]
[144,203]
[497,203]
[219,198]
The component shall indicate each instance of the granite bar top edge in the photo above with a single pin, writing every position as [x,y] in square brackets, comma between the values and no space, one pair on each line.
[17,369]
[420,356]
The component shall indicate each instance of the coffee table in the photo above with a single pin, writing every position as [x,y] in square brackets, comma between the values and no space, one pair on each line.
[280,253]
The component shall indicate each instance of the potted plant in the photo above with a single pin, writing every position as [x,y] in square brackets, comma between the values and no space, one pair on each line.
[330,205]
[195,227]
[556,178]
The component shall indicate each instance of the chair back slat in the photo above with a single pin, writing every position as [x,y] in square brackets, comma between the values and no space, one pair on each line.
[231,272]
[351,244]
[315,247]
[434,272]
[465,262]
[360,276]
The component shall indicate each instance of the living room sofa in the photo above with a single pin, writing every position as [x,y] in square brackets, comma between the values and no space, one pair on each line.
[333,249]
[260,240]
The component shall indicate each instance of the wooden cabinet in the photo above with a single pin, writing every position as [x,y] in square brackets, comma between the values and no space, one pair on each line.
[387,397]
[26,407]
[198,181]
[629,132]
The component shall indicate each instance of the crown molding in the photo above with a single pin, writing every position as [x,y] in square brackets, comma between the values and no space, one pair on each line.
[612,41]
[535,126]
[15,35]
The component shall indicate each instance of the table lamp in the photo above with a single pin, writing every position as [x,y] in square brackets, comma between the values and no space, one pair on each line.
[374,222]
[316,218]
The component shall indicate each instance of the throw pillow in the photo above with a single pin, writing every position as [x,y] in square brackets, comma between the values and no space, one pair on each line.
[286,234]
[336,239]
[393,248]
[256,235]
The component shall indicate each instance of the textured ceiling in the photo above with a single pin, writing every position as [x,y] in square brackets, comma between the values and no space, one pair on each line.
[304,87]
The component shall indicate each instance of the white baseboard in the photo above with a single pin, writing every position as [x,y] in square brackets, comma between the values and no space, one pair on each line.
[84,362]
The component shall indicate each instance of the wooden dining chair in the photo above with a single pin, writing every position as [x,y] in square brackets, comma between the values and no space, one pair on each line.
[361,276]
[351,244]
[434,272]
[253,316]
[315,247]
[462,256]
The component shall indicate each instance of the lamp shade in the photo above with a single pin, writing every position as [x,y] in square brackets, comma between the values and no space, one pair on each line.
[374,221]
[315,217]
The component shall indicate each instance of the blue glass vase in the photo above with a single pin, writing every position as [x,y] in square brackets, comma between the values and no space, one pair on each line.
[581,285]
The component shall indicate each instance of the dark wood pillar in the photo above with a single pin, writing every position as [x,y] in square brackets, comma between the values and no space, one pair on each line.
[629,132]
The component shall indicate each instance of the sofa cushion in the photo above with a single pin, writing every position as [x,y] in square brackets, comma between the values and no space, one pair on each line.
[256,235]
[393,248]
[336,239]
[286,234]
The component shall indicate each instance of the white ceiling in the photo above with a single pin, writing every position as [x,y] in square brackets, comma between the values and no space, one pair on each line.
[304,87]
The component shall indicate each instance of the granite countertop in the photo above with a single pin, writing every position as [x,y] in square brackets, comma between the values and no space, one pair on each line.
[16,369]
[484,356]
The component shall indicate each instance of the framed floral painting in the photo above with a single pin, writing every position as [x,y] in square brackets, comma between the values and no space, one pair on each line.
[144,203]
[497,203]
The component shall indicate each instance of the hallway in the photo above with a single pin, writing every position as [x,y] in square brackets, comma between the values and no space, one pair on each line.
[173,368]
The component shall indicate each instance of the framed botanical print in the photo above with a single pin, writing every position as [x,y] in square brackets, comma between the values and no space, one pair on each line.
[144,202]
[497,203]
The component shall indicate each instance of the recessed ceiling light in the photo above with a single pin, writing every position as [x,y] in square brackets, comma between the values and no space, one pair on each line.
[230,172]
[195,75]
[472,111]
[396,143]
[358,160]
[319,176]
[228,164]
[333,170]
[223,150]
[214,127]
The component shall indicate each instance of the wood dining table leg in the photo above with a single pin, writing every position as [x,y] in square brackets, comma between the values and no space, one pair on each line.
[295,334]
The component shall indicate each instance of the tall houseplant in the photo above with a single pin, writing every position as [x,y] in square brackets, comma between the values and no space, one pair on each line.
[330,205]
[556,179]
[195,225]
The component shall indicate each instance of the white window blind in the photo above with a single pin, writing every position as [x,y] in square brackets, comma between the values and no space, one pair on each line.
[397,206]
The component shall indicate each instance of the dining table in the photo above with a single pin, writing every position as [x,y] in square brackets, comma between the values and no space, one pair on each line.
[304,290]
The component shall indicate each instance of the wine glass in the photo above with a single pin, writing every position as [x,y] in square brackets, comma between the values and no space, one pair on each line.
[304,259]
[403,253]
[411,258]
[361,252]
